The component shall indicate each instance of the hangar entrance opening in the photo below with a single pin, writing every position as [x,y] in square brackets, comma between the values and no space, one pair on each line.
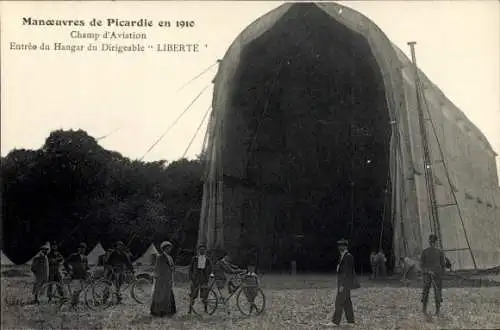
[316,133]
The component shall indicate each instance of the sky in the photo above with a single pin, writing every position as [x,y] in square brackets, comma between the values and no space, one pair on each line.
[136,97]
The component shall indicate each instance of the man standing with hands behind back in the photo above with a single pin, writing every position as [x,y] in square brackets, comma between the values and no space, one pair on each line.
[346,281]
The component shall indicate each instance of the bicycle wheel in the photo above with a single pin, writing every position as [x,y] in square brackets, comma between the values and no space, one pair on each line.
[90,301]
[128,281]
[211,303]
[102,293]
[142,290]
[251,299]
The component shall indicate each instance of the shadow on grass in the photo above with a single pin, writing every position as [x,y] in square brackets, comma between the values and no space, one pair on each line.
[142,320]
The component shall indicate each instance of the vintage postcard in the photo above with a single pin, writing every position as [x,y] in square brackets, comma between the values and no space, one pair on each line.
[250,164]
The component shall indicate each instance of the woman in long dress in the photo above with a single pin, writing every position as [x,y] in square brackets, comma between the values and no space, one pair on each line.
[163,296]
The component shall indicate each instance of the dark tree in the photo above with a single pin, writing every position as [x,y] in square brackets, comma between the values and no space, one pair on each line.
[73,190]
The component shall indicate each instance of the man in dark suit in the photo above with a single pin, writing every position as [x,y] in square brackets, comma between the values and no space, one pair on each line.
[199,274]
[346,281]
[119,262]
[433,264]
[77,266]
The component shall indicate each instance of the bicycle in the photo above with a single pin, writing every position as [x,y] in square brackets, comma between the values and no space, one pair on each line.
[62,296]
[245,293]
[140,286]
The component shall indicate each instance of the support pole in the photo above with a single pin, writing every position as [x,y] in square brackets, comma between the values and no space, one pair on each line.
[429,176]
[428,168]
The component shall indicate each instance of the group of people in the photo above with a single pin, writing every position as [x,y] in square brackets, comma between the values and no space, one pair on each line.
[46,267]
[378,262]
[433,264]
[48,262]
[201,270]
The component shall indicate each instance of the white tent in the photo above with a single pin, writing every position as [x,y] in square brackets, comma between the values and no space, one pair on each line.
[149,257]
[93,256]
[5,261]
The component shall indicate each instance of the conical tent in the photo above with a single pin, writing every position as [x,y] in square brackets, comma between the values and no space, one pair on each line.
[149,257]
[29,262]
[5,261]
[93,256]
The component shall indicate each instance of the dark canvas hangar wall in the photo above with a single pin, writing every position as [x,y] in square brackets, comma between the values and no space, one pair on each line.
[231,201]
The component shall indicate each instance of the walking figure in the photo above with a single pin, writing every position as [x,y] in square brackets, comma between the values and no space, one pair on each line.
[433,264]
[346,281]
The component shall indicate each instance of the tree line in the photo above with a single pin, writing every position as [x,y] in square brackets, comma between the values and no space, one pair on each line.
[72,190]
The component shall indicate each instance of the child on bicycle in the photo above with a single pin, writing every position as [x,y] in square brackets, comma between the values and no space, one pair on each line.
[223,267]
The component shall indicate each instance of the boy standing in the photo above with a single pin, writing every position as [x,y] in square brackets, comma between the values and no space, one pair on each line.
[199,274]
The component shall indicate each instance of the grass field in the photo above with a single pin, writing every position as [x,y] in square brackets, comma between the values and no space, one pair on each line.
[298,302]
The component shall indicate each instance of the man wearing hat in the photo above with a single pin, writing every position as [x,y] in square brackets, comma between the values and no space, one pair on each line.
[433,264]
[199,274]
[346,281]
[55,261]
[119,261]
[40,268]
[77,265]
